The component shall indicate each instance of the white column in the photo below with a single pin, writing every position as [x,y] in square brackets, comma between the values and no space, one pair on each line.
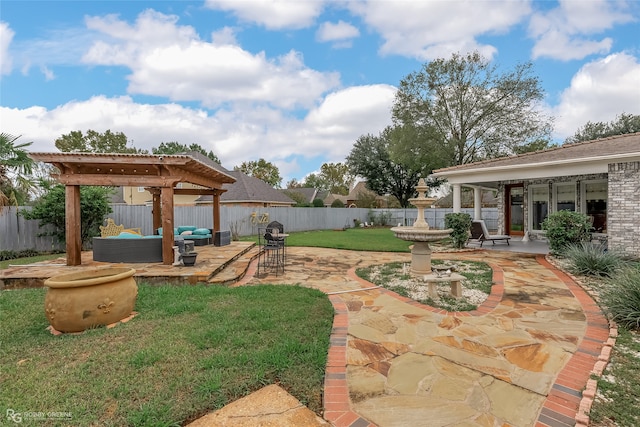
[477,203]
[457,203]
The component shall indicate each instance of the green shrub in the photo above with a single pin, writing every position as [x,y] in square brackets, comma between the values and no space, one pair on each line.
[461,225]
[318,203]
[564,228]
[337,203]
[621,297]
[382,218]
[592,259]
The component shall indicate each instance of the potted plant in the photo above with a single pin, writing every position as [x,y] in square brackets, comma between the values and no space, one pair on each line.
[189,258]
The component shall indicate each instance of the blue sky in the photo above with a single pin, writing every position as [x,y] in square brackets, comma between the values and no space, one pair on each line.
[293,82]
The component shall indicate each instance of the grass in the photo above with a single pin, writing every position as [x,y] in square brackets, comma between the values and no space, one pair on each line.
[617,402]
[29,260]
[192,349]
[358,239]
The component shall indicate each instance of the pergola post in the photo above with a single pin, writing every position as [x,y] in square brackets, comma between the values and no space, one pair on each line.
[156,212]
[72,225]
[166,198]
[216,212]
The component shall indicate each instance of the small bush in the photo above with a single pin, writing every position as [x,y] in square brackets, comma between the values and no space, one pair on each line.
[461,224]
[564,228]
[382,218]
[337,203]
[318,203]
[592,260]
[621,297]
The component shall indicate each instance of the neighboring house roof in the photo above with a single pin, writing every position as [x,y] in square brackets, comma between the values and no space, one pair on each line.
[360,187]
[328,201]
[248,189]
[307,194]
[569,159]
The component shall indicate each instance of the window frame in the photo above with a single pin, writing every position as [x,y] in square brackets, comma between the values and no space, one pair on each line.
[530,189]
[555,195]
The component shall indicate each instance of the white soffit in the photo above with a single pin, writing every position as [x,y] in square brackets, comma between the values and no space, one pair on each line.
[487,173]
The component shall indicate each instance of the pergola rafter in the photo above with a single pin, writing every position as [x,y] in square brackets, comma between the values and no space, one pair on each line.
[158,173]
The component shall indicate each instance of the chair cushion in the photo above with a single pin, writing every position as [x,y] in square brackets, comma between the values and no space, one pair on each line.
[201,231]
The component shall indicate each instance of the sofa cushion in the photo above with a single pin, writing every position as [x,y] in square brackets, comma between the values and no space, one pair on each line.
[186,233]
[202,231]
[183,228]
[125,235]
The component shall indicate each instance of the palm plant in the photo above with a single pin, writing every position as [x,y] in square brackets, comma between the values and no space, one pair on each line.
[15,170]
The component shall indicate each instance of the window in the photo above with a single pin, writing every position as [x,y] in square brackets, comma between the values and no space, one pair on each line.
[594,204]
[565,196]
[539,197]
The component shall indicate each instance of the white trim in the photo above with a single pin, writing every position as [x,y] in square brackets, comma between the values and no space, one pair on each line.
[565,167]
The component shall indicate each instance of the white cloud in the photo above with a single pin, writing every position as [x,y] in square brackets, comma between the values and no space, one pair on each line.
[6,36]
[600,91]
[562,33]
[235,134]
[272,14]
[429,30]
[340,33]
[226,35]
[171,61]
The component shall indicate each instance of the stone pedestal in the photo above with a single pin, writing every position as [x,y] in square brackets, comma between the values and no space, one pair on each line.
[420,259]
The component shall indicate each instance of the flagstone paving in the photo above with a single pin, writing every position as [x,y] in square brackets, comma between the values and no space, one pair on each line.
[522,359]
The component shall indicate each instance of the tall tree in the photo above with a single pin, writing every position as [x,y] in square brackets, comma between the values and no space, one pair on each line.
[370,158]
[464,110]
[623,124]
[333,177]
[261,169]
[337,177]
[174,147]
[95,142]
[15,171]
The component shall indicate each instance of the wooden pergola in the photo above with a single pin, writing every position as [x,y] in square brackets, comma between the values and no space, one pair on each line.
[159,174]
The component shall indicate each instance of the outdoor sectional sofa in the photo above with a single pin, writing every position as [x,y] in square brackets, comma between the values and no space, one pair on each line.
[200,236]
[127,247]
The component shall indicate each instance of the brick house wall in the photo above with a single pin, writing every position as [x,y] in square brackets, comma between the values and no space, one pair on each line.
[623,205]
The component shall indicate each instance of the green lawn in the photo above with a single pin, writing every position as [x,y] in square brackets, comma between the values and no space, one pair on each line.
[192,349]
[357,239]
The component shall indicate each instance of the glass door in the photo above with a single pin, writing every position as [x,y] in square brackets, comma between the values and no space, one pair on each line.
[515,210]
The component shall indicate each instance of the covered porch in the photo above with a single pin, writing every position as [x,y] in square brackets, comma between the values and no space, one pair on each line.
[597,178]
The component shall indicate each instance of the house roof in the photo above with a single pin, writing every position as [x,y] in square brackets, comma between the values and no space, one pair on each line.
[360,187]
[307,193]
[569,159]
[250,189]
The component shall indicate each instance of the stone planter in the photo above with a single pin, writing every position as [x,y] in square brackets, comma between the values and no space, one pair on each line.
[78,301]
[189,258]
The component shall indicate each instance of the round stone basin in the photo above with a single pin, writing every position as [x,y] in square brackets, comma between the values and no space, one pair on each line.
[417,234]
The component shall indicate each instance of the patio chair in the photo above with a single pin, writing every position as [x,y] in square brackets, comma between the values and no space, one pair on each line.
[480,233]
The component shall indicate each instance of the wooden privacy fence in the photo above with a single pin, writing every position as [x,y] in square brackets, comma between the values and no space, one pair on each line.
[17,234]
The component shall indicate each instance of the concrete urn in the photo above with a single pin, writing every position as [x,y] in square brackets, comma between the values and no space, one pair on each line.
[82,300]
